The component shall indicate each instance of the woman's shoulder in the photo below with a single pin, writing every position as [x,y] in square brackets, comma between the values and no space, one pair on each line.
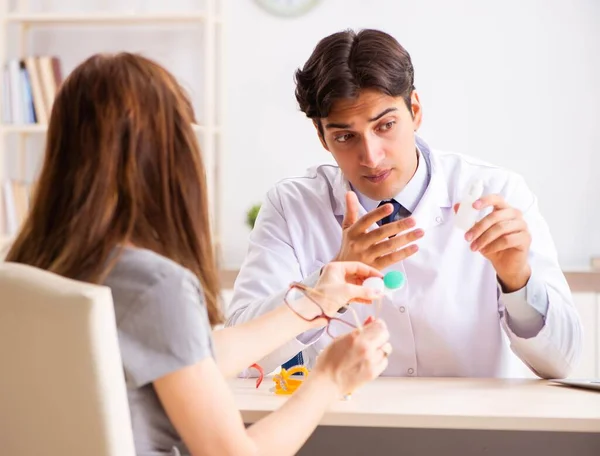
[148,268]
[141,272]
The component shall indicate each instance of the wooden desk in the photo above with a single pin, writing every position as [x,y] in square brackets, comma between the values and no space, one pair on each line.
[581,280]
[483,404]
[449,417]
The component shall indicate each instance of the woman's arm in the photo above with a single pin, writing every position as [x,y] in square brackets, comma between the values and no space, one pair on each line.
[202,408]
[238,347]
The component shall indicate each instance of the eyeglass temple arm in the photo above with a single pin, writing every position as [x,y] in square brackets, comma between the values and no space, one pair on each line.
[359,325]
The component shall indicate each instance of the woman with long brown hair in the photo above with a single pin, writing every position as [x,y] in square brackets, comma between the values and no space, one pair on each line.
[121,201]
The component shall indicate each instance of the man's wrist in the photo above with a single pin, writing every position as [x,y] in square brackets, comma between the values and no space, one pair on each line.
[514,282]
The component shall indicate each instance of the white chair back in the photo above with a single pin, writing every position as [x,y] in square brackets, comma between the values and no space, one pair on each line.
[62,387]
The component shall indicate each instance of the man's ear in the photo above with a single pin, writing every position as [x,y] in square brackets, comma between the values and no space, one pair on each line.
[318,126]
[417,110]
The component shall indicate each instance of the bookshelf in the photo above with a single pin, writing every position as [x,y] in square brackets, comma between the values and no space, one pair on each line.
[107,18]
[35,129]
[18,20]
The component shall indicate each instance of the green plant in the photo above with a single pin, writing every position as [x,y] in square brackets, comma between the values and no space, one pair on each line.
[251,215]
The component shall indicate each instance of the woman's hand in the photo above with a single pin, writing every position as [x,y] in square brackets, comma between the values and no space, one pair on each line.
[341,282]
[355,358]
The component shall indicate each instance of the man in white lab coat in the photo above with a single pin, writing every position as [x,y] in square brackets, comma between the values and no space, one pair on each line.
[391,203]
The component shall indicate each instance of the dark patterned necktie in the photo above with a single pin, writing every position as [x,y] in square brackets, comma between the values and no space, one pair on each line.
[398,213]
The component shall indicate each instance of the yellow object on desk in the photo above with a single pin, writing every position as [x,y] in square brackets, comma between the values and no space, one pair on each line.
[285,384]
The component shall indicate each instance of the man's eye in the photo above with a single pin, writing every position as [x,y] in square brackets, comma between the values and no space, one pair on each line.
[343,138]
[387,126]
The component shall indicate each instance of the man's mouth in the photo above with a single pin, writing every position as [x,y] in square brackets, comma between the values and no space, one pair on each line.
[379,177]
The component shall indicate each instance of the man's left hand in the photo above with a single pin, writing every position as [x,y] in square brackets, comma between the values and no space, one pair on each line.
[504,239]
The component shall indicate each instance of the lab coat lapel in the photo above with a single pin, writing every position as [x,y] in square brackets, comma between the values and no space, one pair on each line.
[432,210]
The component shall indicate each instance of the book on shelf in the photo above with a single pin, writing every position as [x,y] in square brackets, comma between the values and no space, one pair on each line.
[32,66]
[29,87]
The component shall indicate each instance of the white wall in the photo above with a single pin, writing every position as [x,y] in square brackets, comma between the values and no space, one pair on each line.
[512,82]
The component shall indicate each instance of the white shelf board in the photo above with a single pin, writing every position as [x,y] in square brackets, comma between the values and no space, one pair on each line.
[25,129]
[28,129]
[105,18]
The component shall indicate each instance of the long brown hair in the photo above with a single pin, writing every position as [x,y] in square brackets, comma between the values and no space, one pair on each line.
[122,166]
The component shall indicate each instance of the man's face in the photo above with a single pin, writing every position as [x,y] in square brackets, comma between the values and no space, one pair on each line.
[372,140]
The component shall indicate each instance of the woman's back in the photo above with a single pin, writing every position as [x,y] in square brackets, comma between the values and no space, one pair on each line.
[163,326]
[123,167]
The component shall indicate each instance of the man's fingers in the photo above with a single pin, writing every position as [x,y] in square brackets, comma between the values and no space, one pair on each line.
[488,221]
[389,230]
[387,260]
[365,222]
[351,215]
[391,245]
[498,230]
[509,241]
[492,200]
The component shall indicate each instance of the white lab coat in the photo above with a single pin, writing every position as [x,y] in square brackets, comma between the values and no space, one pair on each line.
[449,319]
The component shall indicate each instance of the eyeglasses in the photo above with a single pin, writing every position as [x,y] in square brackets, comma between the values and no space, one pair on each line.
[304,302]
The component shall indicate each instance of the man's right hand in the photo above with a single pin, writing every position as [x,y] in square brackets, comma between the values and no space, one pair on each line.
[376,248]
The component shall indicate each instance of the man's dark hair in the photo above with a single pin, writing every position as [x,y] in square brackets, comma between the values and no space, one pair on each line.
[344,63]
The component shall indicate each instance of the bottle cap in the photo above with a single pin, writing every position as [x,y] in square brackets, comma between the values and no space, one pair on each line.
[394,280]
